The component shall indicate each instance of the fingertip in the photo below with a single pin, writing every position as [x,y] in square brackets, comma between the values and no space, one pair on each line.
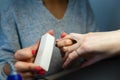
[59,44]
[22,56]
[63,34]
[40,70]
[51,32]
[33,52]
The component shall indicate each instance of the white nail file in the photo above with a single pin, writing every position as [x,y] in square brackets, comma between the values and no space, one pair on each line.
[45,50]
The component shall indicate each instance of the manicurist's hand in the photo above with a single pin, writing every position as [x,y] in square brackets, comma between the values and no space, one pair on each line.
[92,46]
[24,64]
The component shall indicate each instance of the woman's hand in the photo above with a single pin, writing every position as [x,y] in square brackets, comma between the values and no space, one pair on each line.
[24,65]
[92,46]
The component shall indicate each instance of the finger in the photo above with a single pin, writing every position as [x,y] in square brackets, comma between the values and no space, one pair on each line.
[69,49]
[27,53]
[63,34]
[71,57]
[64,49]
[74,36]
[78,51]
[24,66]
[24,55]
[64,38]
[51,32]
[70,40]
[65,56]
[64,42]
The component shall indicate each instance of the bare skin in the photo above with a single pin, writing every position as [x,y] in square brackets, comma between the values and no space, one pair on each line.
[24,64]
[97,46]
[56,7]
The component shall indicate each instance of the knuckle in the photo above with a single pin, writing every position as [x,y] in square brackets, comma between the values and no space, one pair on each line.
[68,42]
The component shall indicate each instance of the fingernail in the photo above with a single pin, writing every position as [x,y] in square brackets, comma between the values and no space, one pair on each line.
[33,52]
[63,34]
[51,32]
[40,70]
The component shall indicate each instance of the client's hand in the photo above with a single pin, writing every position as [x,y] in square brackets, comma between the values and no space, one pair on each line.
[97,46]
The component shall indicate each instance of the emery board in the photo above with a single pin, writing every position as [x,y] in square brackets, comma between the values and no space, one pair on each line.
[45,50]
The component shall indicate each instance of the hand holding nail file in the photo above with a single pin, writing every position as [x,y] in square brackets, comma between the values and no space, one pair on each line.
[45,50]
